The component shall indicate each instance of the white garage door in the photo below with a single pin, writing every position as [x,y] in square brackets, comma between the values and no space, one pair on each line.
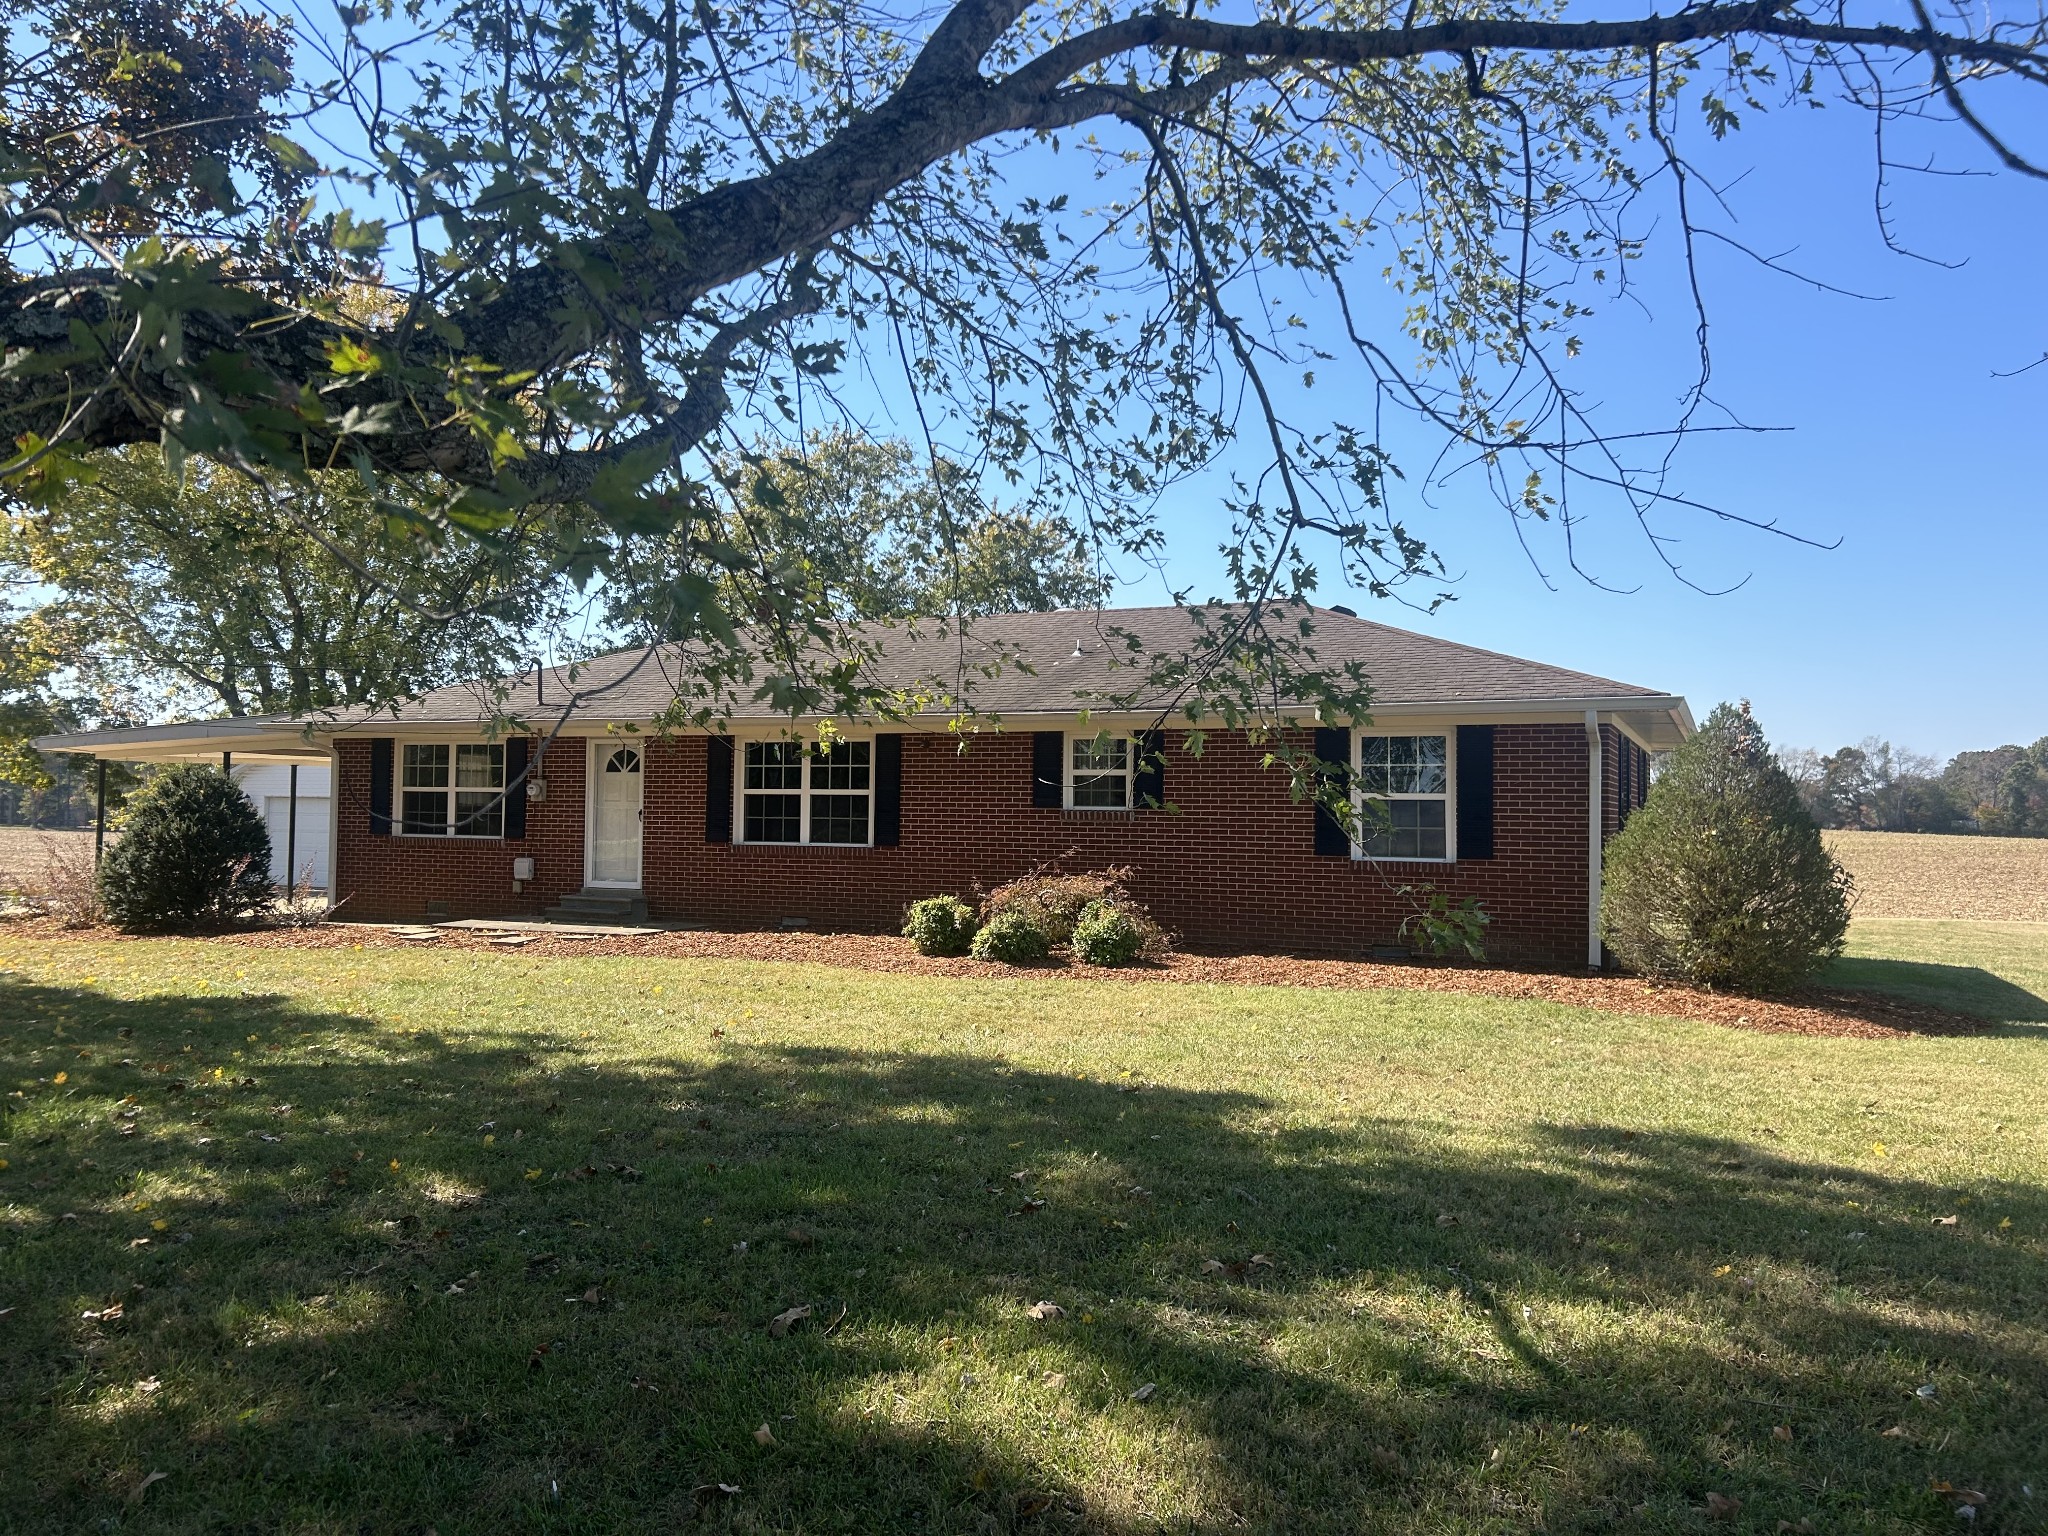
[311,851]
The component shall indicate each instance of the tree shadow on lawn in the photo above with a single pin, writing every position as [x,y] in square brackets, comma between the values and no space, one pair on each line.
[342,1308]
[1964,989]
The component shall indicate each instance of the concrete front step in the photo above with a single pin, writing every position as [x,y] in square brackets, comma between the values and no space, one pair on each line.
[601,905]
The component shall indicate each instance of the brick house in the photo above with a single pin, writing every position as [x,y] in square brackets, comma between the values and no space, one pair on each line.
[1496,777]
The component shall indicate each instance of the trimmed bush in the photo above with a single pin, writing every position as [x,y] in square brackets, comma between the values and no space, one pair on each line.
[1107,935]
[940,925]
[1721,879]
[192,849]
[1011,937]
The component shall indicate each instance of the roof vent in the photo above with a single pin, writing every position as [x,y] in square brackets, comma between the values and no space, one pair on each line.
[1349,613]
[1078,652]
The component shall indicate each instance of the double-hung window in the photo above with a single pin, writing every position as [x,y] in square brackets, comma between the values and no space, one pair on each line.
[1099,770]
[454,790]
[803,792]
[1403,784]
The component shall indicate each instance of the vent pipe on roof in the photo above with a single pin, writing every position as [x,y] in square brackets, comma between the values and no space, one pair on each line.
[1349,613]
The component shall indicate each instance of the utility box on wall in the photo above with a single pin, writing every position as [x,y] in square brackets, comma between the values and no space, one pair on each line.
[522,868]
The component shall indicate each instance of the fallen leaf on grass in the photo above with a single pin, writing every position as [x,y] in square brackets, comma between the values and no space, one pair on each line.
[1969,1496]
[801,1237]
[1897,1432]
[705,1492]
[1144,1393]
[1046,1311]
[1055,1379]
[142,1487]
[1029,1504]
[1782,1432]
[533,1360]
[764,1436]
[1447,1219]
[1721,1507]
[1029,1208]
[1239,1268]
[1945,1221]
[782,1322]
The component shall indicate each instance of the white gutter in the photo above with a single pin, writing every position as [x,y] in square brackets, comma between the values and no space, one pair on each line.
[1595,853]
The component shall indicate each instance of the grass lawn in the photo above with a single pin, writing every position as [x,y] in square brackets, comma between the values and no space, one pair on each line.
[391,1240]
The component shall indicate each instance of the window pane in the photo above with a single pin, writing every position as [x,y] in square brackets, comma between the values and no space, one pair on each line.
[843,766]
[1415,765]
[1409,829]
[625,760]
[480,767]
[1094,754]
[839,818]
[424,812]
[1372,765]
[1098,791]
[426,768]
[774,818]
[479,813]
[775,765]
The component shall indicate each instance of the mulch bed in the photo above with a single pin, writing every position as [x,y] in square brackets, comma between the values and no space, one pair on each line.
[1840,1012]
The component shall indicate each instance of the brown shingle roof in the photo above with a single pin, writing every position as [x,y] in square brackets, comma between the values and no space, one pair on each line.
[949,661]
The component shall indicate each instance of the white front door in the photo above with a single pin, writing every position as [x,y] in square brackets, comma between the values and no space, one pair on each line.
[614,814]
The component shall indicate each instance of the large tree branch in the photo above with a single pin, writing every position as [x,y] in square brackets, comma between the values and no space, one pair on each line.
[660,270]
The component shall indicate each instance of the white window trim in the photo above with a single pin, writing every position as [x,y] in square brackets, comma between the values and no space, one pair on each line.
[1131,758]
[399,791]
[739,791]
[1449,796]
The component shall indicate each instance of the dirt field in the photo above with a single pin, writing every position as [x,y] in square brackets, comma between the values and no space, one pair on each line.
[26,850]
[1911,874]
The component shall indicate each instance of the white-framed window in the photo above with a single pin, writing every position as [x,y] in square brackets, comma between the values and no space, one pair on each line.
[805,792]
[1100,771]
[451,789]
[1401,785]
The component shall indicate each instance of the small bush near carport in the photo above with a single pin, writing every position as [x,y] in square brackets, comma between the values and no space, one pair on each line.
[1721,879]
[940,925]
[192,850]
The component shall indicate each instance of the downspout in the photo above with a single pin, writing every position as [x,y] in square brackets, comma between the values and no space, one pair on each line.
[1595,852]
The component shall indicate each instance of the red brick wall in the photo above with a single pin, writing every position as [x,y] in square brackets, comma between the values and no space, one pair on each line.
[392,878]
[1236,866]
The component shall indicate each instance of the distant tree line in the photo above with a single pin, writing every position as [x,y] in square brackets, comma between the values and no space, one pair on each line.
[1874,786]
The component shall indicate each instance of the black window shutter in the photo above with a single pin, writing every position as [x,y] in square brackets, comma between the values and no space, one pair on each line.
[383,749]
[1475,792]
[1048,769]
[1642,776]
[1148,787]
[515,787]
[888,790]
[1333,745]
[1625,788]
[718,789]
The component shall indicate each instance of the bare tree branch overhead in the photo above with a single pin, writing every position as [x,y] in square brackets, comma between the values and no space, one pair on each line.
[541,262]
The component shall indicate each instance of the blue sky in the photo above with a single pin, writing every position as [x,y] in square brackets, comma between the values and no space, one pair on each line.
[1926,624]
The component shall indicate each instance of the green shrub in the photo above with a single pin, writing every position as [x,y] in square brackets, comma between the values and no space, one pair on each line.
[940,925]
[1011,937]
[1053,901]
[1107,935]
[1721,878]
[192,849]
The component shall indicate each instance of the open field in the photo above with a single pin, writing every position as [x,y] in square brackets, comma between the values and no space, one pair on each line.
[1915,874]
[338,1240]
[32,847]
